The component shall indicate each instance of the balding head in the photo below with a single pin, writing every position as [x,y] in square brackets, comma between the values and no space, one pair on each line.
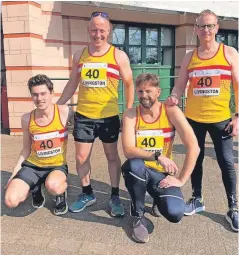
[100,21]
[99,31]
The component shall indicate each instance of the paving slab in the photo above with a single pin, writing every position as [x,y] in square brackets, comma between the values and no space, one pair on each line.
[26,230]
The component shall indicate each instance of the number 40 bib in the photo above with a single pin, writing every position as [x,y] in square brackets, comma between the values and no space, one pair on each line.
[206,83]
[47,145]
[150,140]
[94,75]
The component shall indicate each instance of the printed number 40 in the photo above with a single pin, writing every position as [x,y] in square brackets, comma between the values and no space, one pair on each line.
[93,73]
[46,144]
[150,142]
[207,81]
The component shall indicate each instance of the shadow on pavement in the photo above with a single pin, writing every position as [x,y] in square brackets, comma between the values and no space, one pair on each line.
[97,213]
[218,218]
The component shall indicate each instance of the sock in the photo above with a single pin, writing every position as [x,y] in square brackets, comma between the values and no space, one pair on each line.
[87,189]
[114,191]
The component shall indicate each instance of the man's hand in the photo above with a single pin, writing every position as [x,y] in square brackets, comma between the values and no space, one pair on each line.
[170,181]
[234,125]
[121,125]
[168,165]
[171,101]
[8,182]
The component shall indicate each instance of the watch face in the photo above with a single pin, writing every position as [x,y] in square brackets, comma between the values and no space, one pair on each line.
[157,154]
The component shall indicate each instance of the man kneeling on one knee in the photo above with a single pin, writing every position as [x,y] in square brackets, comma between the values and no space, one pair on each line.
[147,137]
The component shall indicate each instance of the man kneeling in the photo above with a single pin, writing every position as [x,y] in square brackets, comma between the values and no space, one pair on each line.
[43,157]
[147,138]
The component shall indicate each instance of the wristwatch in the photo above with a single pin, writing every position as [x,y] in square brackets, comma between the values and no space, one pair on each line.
[236,114]
[157,154]
[174,95]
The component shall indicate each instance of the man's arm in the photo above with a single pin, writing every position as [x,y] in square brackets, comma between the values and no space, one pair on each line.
[232,57]
[67,114]
[128,138]
[181,82]
[71,116]
[127,76]
[185,131]
[26,149]
[73,82]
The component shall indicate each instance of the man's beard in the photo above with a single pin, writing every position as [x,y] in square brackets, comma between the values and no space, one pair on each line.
[147,104]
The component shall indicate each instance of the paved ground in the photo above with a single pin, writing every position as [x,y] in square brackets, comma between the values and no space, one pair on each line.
[29,231]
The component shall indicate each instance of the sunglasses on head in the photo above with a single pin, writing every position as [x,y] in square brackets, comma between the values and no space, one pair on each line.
[104,15]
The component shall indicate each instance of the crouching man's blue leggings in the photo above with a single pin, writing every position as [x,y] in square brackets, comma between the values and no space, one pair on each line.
[139,179]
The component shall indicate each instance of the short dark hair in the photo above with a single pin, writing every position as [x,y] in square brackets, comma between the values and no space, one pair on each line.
[147,77]
[40,79]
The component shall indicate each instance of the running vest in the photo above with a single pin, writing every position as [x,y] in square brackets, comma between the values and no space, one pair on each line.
[155,136]
[49,142]
[98,89]
[209,89]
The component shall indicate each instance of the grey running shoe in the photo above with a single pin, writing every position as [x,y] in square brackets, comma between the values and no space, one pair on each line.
[140,233]
[155,210]
[38,197]
[194,205]
[61,204]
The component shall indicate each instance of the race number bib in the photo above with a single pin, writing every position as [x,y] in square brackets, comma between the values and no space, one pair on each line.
[94,75]
[47,145]
[150,140]
[206,85]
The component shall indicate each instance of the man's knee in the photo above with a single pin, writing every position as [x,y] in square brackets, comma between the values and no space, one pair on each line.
[82,158]
[54,186]
[173,209]
[135,166]
[112,156]
[12,200]
[226,162]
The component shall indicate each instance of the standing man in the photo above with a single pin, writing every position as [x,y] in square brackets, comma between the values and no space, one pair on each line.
[43,156]
[147,138]
[97,69]
[210,69]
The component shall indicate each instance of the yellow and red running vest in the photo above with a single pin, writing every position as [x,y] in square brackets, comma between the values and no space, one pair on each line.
[155,136]
[209,89]
[49,143]
[98,89]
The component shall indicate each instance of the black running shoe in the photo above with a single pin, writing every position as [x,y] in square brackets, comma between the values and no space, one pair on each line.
[61,204]
[232,218]
[38,197]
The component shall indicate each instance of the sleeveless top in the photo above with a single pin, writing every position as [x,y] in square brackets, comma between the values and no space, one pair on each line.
[49,143]
[155,136]
[209,89]
[98,89]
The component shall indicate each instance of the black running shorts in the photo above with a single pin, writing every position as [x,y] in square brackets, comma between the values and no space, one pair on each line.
[86,129]
[33,175]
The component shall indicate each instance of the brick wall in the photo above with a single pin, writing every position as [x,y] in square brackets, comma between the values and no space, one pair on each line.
[41,37]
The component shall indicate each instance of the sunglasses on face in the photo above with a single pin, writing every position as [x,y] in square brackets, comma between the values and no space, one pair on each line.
[209,27]
[104,15]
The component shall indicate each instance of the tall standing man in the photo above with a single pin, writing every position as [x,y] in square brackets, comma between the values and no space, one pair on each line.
[210,69]
[97,70]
